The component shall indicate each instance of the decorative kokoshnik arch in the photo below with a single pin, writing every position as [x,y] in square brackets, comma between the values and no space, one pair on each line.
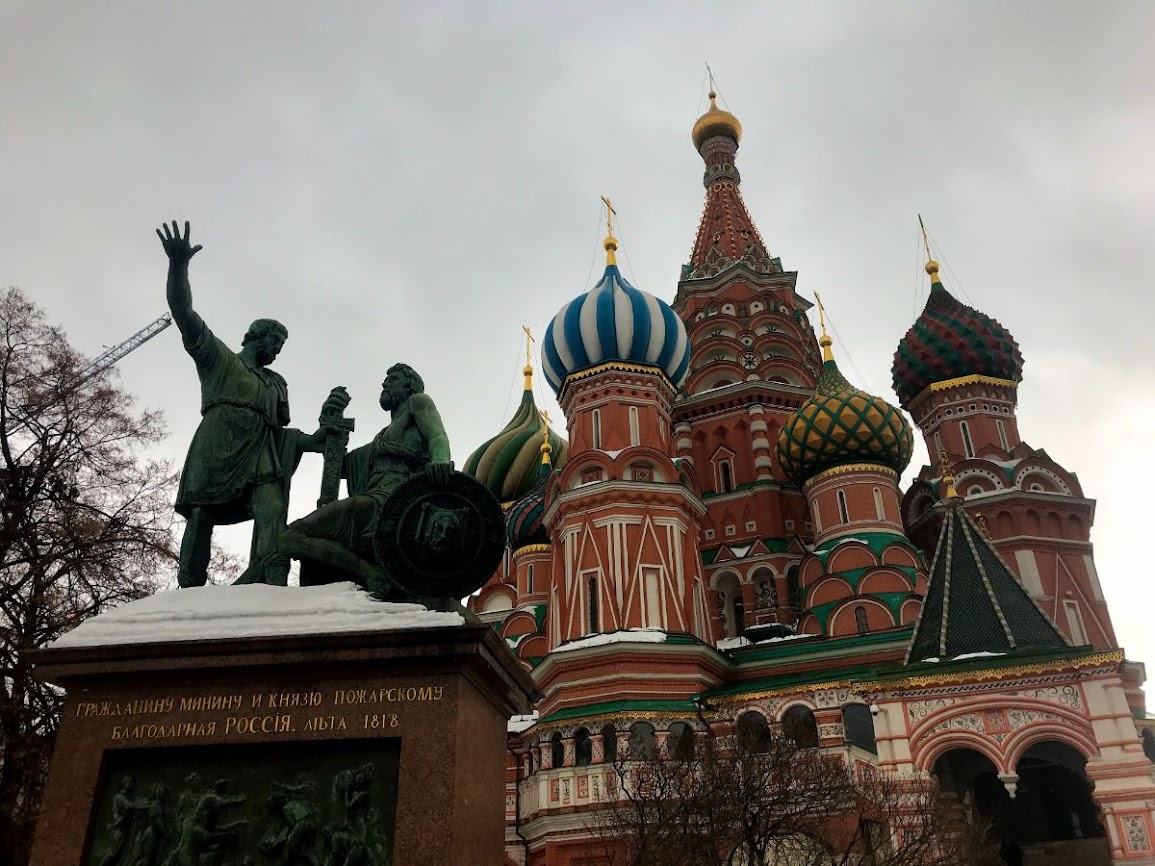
[1001,728]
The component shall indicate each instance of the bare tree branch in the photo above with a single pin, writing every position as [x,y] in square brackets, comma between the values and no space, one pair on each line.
[85,524]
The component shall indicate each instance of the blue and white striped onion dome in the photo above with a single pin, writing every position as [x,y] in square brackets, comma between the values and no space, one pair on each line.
[613,321]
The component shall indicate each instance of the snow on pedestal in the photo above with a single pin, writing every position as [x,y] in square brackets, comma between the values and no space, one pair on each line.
[218,612]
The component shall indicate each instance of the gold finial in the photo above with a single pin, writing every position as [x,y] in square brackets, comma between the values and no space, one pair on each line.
[611,243]
[931,264]
[546,448]
[716,121]
[824,341]
[947,474]
[528,371]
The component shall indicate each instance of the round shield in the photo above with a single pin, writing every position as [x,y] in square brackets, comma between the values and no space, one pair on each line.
[440,540]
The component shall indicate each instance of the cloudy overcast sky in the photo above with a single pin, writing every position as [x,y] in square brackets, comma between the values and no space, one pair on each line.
[416,181]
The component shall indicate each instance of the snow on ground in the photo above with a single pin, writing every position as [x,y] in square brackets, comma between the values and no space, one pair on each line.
[633,635]
[215,612]
[520,723]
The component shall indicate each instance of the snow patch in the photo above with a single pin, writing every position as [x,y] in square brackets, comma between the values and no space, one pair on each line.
[517,724]
[218,612]
[728,643]
[964,656]
[633,635]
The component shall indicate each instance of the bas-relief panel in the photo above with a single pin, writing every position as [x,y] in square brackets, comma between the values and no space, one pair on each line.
[230,805]
[1135,826]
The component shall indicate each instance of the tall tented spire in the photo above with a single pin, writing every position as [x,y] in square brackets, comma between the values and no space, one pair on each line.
[726,234]
[973,602]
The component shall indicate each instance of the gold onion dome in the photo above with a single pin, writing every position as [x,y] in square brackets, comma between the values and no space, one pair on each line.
[841,425]
[716,122]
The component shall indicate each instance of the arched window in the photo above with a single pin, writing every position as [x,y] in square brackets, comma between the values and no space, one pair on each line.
[635,428]
[529,578]
[860,620]
[583,747]
[1002,430]
[556,751]
[879,510]
[843,513]
[799,725]
[968,448]
[795,589]
[592,587]
[597,428]
[609,744]
[643,742]
[680,742]
[726,476]
[752,733]
[858,727]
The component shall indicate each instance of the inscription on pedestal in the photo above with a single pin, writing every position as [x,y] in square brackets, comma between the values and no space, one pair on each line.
[379,708]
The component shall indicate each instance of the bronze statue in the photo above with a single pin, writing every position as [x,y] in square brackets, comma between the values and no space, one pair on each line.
[339,535]
[243,454]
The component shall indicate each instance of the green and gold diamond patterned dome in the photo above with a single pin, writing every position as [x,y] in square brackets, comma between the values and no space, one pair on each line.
[841,425]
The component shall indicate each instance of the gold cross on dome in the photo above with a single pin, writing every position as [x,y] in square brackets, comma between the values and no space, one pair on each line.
[610,214]
[528,345]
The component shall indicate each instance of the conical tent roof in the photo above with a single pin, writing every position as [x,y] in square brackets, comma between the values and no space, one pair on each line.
[973,602]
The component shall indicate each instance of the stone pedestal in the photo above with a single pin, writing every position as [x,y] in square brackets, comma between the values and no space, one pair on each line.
[306,728]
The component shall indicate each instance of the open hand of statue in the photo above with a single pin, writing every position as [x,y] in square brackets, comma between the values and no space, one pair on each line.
[179,250]
[439,473]
[336,402]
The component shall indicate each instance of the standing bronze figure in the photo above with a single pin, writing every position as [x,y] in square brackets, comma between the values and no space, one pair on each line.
[243,454]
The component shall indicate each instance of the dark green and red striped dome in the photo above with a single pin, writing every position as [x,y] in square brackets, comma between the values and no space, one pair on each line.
[950,340]
[523,520]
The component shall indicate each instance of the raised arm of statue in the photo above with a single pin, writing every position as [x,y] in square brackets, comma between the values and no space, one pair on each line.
[179,251]
[429,422]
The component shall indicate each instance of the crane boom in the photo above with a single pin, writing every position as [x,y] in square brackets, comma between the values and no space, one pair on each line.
[103,362]
[111,356]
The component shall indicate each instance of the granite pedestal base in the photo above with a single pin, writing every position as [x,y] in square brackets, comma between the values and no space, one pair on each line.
[318,748]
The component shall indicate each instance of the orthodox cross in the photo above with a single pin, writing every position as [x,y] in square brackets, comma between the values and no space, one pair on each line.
[947,474]
[821,313]
[925,239]
[528,345]
[546,448]
[610,214]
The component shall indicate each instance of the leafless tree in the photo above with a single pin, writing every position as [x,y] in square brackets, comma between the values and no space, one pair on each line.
[774,803]
[85,524]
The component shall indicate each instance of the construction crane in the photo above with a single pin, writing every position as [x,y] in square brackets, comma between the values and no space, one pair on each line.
[111,356]
[105,360]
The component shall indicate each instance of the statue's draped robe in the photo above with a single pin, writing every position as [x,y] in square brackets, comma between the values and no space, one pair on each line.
[371,472]
[242,440]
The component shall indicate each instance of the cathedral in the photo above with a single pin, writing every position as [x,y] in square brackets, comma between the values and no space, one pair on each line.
[722,526]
